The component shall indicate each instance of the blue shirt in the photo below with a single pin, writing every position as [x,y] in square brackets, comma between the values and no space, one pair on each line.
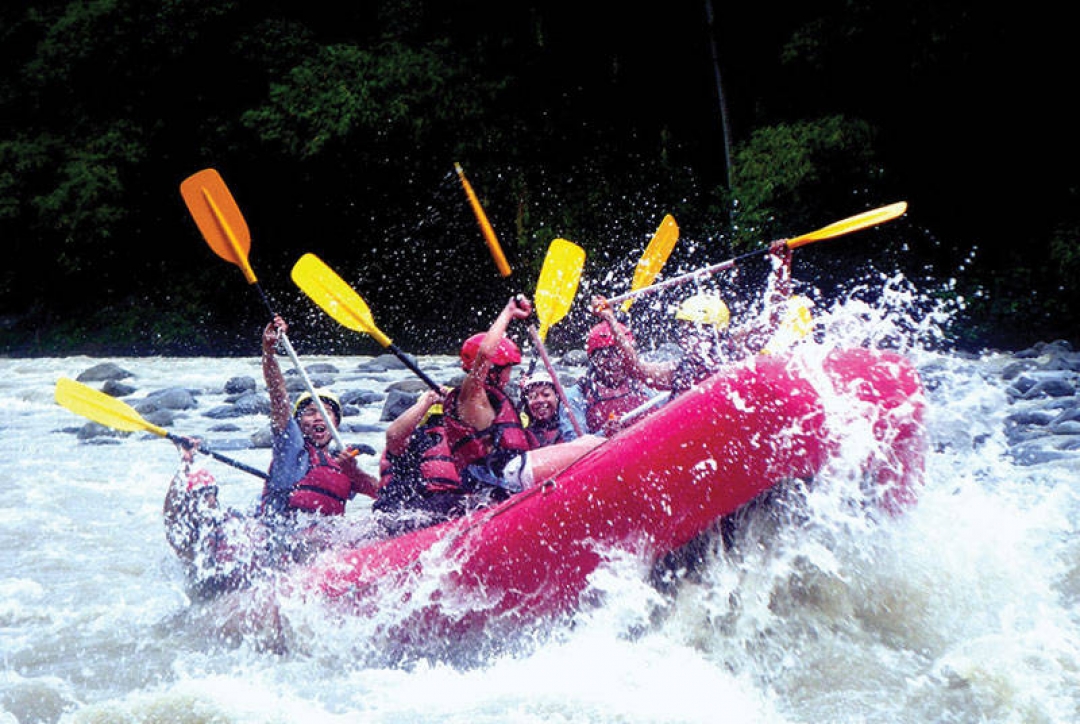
[290,463]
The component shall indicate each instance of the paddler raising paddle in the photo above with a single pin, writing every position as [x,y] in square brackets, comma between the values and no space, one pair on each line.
[305,474]
[704,333]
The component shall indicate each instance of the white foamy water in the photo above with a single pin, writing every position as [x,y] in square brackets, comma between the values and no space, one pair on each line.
[964,609]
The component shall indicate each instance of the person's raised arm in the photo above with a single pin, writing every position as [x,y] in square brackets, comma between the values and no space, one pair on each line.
[272,376]
[778,294]
[401,429]
[654,374]
[473,405]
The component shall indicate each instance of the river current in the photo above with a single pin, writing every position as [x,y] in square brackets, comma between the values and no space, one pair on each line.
[963,609]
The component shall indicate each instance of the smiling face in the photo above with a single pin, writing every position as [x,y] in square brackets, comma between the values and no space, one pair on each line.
[543,402]
[313,426]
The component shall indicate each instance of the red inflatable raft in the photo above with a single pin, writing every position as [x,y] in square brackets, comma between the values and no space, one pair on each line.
[648,490]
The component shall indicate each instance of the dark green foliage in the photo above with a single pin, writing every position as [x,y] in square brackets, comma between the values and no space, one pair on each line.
[788,174]
[337,127]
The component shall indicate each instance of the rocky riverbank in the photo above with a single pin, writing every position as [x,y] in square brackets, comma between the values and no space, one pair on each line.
[1041,383]
[1044,394]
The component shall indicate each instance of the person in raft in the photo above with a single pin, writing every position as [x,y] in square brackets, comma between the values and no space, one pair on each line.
[608,389]
[475,450]
[703,333]
[418,481]
[542,412]
[221,549]
[305,475]
[483,427]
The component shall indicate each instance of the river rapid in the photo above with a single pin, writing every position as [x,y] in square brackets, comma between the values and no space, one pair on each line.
[963,609]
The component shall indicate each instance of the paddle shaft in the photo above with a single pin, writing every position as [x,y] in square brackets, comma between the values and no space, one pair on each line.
[535,334]
[287,345]
[112,412]
[412,366]
[654,401]
[845,226]
[688,277]
[180,440]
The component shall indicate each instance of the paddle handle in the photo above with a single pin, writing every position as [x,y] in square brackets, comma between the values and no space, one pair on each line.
[180,440]
[535,334]
[412,366]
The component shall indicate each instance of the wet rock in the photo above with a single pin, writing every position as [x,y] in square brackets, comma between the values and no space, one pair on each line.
[239,385]
[262,438]
[224,412]
[575,358]
[361,397]
[1013,370]
[161,418]
[1052,387]
[104,371]
[397,401]
[1045,387]
[252,403]
[174,398]
[92,430]
[117,389]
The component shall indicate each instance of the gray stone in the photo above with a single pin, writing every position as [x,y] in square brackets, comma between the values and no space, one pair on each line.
[117,389]
[239,385]
[104,371]
[174,398]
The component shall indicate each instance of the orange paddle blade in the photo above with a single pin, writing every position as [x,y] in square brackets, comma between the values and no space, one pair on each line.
[655,256]
[850,224]
[218,218]
[485,226]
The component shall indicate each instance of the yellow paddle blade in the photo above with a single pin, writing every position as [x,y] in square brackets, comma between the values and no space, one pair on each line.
[335,297]
[218,218]
[102,408]
[485,226]
[854,223]
[655,256]
[558,283]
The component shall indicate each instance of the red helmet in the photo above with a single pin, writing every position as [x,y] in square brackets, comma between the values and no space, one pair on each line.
[506,353]
[601,336]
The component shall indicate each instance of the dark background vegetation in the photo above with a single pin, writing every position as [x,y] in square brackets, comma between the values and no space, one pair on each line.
[336,126]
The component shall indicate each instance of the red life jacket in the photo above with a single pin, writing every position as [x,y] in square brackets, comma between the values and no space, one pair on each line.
[545,434]
[504,434]
[325,488]
[427,461]
[606,403]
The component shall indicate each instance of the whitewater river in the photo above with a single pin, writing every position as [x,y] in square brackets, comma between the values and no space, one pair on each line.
[962,610]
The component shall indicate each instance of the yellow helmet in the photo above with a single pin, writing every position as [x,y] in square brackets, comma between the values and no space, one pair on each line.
[798,322]
[799,319]
[329,399]
[704,309]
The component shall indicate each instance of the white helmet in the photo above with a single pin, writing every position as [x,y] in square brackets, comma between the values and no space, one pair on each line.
[539,377]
